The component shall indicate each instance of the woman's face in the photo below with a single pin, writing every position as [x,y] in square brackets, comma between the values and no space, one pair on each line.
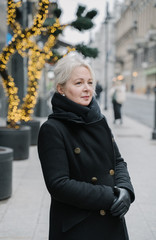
[79,88]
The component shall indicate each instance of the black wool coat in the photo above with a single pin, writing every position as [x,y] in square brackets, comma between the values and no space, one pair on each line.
[81,164]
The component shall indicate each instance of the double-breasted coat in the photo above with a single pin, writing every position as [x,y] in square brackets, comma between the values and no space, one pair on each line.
[81,164]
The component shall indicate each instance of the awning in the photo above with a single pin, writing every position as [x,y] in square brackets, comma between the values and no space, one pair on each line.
[150,71]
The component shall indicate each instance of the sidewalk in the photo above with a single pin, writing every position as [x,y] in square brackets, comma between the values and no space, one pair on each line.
[24,216]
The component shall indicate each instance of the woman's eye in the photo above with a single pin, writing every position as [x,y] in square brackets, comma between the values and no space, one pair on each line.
[78,83]
[90,83]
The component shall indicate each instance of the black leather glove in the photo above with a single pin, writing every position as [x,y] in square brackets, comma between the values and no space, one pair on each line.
[121,202]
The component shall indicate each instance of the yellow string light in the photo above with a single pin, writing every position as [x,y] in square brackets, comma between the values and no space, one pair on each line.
[21,43]
[69,49]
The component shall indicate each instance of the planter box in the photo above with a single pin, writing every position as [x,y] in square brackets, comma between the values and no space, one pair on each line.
[6,158]
[35,126]
[17,139]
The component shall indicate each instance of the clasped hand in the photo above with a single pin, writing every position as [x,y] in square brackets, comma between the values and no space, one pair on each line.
[121,203]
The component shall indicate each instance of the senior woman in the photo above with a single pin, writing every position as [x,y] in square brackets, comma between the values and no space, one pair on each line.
[83,169]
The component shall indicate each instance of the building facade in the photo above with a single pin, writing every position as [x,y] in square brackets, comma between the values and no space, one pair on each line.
[135,42]
[131,46]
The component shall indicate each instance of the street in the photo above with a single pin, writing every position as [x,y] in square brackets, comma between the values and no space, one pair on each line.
[140,108]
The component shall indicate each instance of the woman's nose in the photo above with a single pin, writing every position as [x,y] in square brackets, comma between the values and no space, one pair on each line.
[86,86]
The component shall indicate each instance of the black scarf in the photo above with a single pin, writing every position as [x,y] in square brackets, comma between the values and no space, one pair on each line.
[65,109]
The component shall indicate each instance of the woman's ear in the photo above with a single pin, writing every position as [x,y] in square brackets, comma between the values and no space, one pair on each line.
[60,89]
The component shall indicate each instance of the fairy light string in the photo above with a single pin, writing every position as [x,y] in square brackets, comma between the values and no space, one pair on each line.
[23,41]
[20,42]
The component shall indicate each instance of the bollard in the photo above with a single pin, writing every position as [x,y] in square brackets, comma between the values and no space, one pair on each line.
[17,139]
[154,129]
[6,159]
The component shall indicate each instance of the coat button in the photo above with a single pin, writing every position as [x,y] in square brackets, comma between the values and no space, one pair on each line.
[102,212]
[77,150]
[94,179]
[111,172]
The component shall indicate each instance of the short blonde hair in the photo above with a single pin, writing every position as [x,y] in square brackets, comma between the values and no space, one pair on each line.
[66,65]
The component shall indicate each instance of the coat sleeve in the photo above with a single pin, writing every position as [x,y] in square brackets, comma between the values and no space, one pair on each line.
[122,178]
[55,167]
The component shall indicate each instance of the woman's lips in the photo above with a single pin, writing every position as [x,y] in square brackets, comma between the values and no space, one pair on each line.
[85,97]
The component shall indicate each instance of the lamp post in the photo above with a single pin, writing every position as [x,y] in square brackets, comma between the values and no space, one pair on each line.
[107,18]
[154,129]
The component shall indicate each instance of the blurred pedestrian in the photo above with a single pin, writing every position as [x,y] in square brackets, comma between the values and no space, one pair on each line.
[132,87]
[98,91]
[118,95]
[148,90]
[83,169]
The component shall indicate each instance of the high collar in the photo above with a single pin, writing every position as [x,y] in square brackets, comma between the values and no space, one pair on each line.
[65,109]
